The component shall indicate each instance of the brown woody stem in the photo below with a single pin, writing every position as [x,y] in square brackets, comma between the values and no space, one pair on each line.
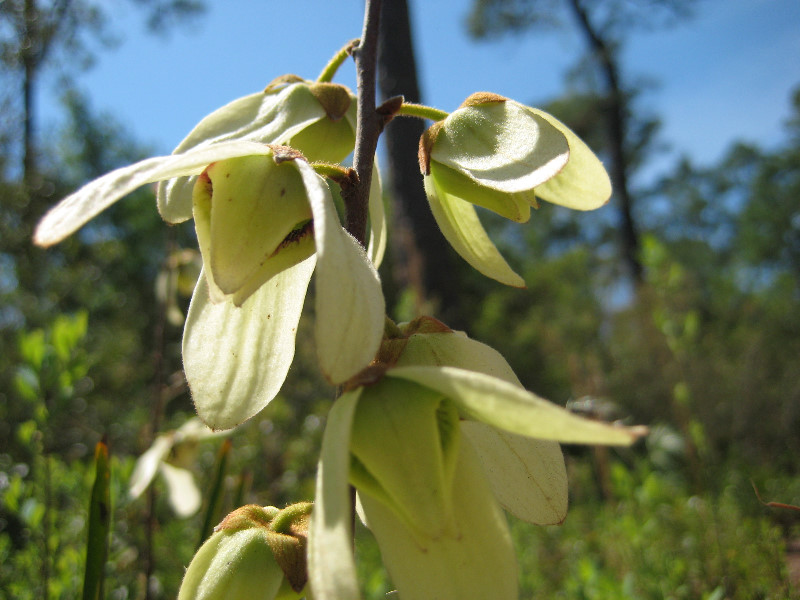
[368,128]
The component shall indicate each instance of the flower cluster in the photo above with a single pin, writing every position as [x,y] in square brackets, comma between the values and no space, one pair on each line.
[432,429]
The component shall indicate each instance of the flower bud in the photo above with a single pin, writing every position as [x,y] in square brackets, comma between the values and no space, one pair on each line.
[493,152]
[501,155]
[256,553]
[253,220]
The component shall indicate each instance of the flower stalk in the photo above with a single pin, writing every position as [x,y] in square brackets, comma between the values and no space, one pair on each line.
[369,125]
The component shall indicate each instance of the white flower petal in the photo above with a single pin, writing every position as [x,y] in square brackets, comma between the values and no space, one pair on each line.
[459,224]
[504,405]
[583,184]
[147,465]
[528,476]
[501,145]
[236,358]
[268,117]
[331,567]
[78,208]
[377,219]
[184,497]
[350,309]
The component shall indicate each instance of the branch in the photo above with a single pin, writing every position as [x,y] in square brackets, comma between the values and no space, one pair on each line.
[368,126]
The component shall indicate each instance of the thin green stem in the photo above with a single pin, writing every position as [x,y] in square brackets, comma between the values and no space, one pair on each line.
[334,63]
[410,109]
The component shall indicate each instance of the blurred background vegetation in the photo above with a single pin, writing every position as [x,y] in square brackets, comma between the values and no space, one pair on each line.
[679,309]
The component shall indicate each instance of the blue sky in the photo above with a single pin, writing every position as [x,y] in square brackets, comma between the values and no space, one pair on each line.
[725,75]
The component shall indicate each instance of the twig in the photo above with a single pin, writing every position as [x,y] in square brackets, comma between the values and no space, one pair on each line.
[368,126]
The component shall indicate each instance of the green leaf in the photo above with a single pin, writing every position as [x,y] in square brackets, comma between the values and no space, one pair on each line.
[99,526]
[459,224]
[214,495]
[331,566]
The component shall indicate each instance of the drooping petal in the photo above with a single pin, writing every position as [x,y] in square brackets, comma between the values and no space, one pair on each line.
[513,206]
[184,497]
[78,208]
[477,562]
[405,441]
[501,145]
[459,224]
[147,465]
[350,308]
[270,117]
[377,219]
[527,475]
[236,358]
[331,567]
[583,184]
[504,405]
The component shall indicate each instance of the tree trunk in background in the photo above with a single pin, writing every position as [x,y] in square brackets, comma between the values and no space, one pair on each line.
[423,261]
[616,116]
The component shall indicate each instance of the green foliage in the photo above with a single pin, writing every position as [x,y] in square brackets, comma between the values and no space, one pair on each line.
[655,539]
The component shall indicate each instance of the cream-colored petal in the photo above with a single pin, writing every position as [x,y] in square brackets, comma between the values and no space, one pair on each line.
[527,475]
[477,561]
[184,497]
[504,405]
[584,183]
[377,219]
[501,145]
[331,567]
[405,439]
[268,117]
[455,349]
[459,224]
[147,464]
[236,358]
[350,309]
[78,208]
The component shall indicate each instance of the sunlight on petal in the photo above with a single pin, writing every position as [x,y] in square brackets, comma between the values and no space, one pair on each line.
[508,407]
[236,358]
[583,184]
[501,145]
[528,476]
[331,566]
[93,198]
[350,309]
